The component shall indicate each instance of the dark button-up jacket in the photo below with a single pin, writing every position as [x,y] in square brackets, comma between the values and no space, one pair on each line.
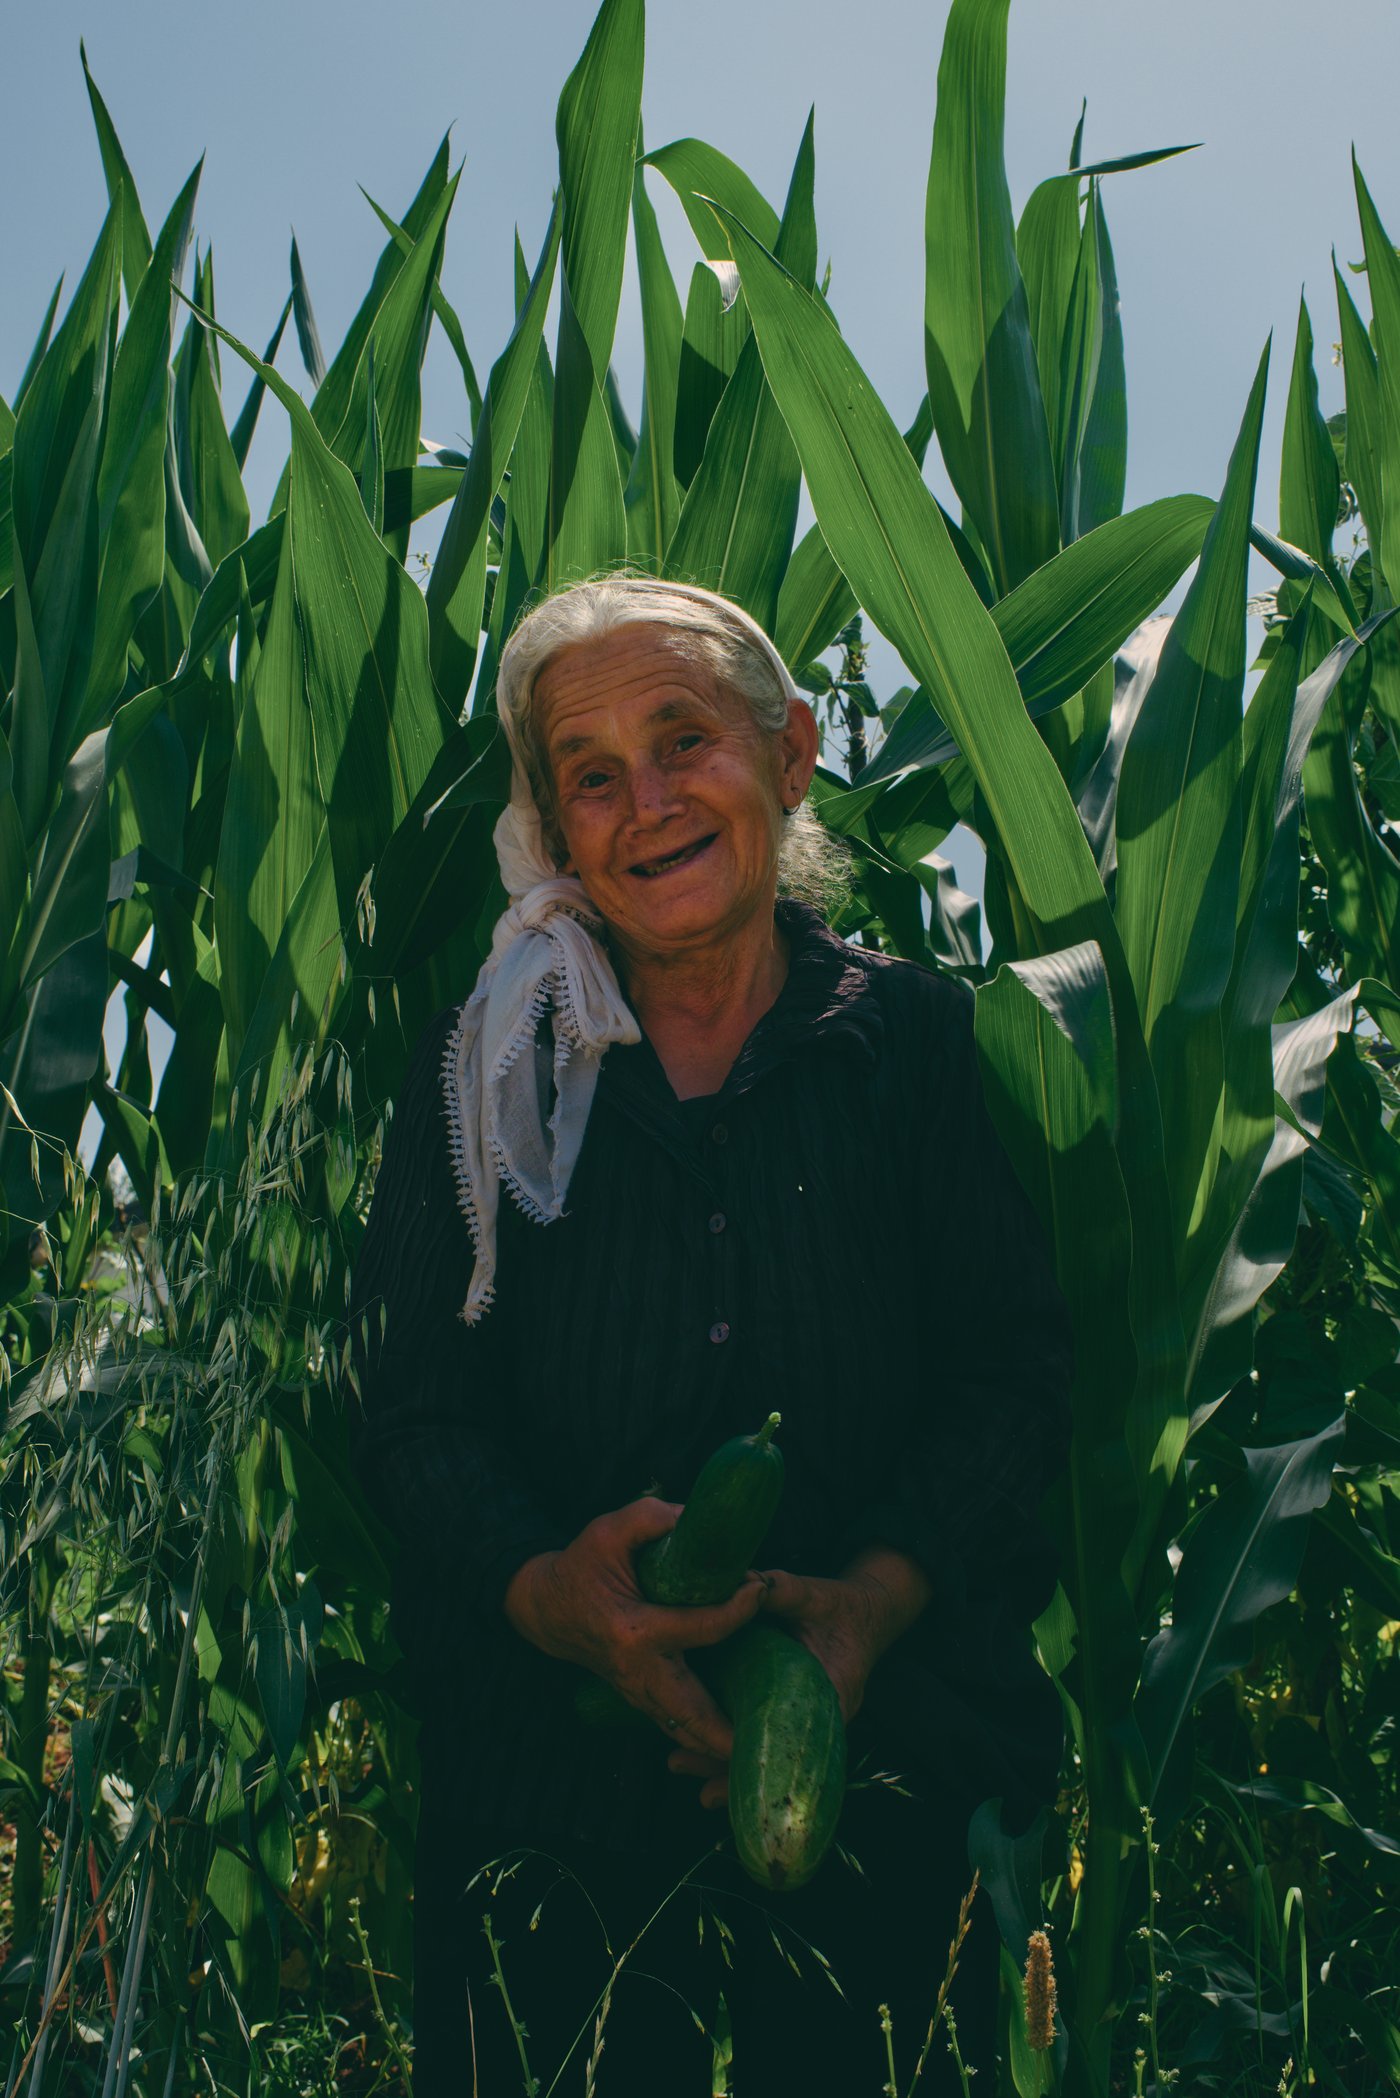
[836,1234]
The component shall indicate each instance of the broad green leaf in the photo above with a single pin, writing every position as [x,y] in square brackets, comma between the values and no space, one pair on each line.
[1048,242]
[597,124]
[736,525]
[596,128]
[131,481]
[47,1066]
[442,311]
[816,601]
[1045,1041]
[711,341]
[211,484]
[886,534]
[136,240]
[241,435]
[296,995]
[372,470]
[983,384]
[1067,619]
[274,816]
[55,459]
[457,584]
[1261,1234]
[1243,1556]
[308,334]
[362,630]
[1363,877]
[41,344]
[525,540]
[652,498]
[1363,432]
[397,341]
[331,405]
[1383,272]
[695,172]
[1093,416]
[1309,481]
[1178,827]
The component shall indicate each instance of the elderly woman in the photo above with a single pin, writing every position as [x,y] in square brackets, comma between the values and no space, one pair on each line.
[745,1166]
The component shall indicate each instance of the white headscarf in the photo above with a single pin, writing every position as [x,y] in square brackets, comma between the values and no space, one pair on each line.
[547,956]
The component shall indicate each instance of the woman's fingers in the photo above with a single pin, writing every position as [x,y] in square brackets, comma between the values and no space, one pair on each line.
[786,1594]
[642,1520]
[686,1763]
[683,1708]
[705,1624]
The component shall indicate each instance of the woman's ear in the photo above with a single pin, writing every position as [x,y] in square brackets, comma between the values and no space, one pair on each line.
[799,745]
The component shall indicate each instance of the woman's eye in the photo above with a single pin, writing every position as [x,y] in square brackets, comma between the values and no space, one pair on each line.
[689,740]
[593,779]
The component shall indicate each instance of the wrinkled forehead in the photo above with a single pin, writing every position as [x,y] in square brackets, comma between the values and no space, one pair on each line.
[632,665]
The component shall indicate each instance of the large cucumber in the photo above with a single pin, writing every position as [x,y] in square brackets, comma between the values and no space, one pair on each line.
[722,1525]
[787,1773]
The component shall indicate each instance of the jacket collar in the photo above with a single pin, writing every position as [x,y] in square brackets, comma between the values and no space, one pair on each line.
[828,996]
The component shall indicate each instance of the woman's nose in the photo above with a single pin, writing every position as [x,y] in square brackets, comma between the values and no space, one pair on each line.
[654,795]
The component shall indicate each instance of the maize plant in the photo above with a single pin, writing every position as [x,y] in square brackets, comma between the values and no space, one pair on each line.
[248,779]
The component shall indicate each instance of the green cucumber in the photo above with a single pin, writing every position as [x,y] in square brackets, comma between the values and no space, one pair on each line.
[719,1530]
[787,1772]
[787,1775]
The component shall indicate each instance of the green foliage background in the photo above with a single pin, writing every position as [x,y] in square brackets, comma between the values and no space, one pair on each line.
[248,778]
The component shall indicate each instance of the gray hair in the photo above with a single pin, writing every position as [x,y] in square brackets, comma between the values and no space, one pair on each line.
[703,628]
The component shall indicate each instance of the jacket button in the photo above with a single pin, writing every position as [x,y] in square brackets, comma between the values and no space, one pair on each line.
[719,1134]
[719,1331]
[718,1221]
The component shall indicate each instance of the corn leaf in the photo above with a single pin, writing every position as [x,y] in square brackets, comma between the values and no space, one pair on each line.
[331,405]
[983,384]
[1067,619]
[211,484]
[308,334]
[1363,437]
[1383,273]
[736,525]
[55,461]
[457,584]
[1093,414]
[443,311]
[131,480]
[1309,480]
[696,172]
[1179,832]
[241,435]
[711,342]
[1045,1041]
[597,124]
[1363,877]
[136,240]
[652,498]
[1243,1556]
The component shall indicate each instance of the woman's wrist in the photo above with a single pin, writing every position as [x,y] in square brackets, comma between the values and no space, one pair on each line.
[521,1592]
[896,1588]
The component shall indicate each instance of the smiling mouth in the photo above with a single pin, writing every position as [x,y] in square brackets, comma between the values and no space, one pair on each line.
[648,870]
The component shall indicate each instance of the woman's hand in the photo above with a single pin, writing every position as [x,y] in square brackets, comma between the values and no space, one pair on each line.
[846,1623]
[849,1623]
[584,1605]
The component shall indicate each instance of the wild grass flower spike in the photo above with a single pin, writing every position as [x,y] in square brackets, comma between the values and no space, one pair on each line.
[1040,1993]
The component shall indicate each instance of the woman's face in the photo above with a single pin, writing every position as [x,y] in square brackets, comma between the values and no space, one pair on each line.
[668,798]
